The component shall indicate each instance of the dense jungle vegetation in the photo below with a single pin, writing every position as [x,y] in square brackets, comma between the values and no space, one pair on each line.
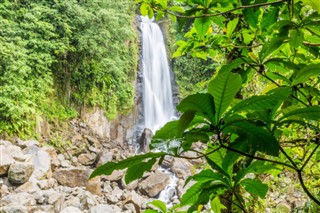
[257,114]
[59,56]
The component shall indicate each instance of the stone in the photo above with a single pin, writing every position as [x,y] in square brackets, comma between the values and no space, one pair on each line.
[5,160]
[105,157]
[131,186]
[87,158]
[154,184]
[53,156]
[20,173]
[145,140]
[94,185]
[22,198]
[16,153]
[101,208]
[42,165]
[53,198]
[181,168]
[116,195]
[71,209]
[29,187]
[73,201]
[47,184]
[135,199]
[72,177]
[5,143]
[16,208]
[28,143]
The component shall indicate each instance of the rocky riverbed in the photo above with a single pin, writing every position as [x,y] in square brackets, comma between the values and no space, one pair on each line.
[37,177]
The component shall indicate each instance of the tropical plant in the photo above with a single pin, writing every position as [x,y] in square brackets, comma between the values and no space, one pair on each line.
[261,110]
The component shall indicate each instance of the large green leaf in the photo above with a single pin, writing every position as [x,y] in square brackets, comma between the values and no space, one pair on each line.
[255,187]
[256,103]
[232,26]
[231,157]
[200,102]
[309,113]
[168,131]
[270,17]
[216,167]
[216,205]
[184,122]
[192,194]
[202,25]
[251,16]
[108,168]
[136,171]
[208,176]
[271,46]
[160,205]
[258,137]
[304,74]
[223,89]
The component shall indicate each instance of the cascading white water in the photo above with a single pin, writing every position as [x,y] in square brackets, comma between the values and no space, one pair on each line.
[157,90]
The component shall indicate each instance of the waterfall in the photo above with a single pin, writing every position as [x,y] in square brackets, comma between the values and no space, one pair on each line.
[157,91]
[158,107]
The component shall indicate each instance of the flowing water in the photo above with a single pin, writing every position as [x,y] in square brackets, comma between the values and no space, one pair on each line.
[157,90]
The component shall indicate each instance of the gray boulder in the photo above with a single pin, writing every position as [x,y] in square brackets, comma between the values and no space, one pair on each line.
[20,173]
[154,184]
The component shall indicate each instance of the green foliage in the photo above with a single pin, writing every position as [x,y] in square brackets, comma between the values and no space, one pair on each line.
[260,111]
[78,52]
[136,166]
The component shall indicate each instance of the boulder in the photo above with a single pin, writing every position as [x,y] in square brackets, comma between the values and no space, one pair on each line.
[72,177]
[16,208]
[87,158]
[71,209]
[5,160]
[20,173]
[29,187]
[42,165]
[116,195]
[181,168]
[53,156]
[105,157]
[22,198]
[101,208]
[145,140]
[16,153]
[154,184]
[94,186]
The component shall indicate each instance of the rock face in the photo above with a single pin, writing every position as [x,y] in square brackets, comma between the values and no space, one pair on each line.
[97,121]
[154,184]
[20,172]
[72,177]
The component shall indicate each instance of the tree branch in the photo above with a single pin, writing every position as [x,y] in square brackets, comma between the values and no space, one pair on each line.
[258,158]
[226,12]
